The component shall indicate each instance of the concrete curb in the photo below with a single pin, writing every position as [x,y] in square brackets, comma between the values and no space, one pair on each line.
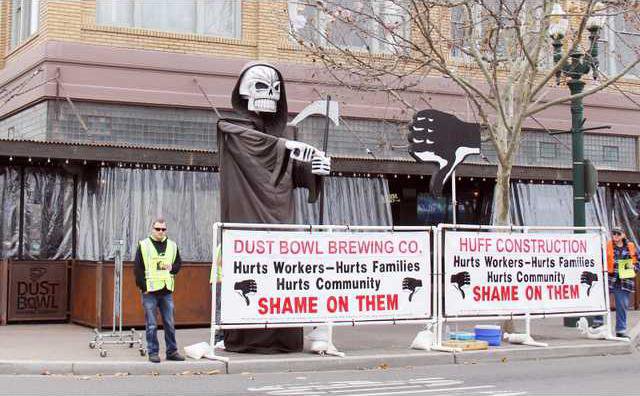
[238,365]
[332,363]
[33,367]
[534,353]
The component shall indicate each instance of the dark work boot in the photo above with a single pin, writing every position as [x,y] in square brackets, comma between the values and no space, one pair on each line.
[175,356]
[154,358]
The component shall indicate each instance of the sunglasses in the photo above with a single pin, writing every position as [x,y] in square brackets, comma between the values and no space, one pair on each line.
[159,229]
[616,233]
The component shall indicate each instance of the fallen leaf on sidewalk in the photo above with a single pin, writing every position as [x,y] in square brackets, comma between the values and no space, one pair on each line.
[383,366]
[45,372]
[123,374]
[503,360]
[155,373]
[186,373]
[213,372]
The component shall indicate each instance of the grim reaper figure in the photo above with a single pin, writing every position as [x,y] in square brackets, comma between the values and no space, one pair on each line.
[260,165]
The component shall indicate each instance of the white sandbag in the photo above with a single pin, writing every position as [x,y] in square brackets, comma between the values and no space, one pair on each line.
[197,351]
[424,340]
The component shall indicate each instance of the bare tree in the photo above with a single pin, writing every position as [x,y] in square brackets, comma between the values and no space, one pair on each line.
[498,52]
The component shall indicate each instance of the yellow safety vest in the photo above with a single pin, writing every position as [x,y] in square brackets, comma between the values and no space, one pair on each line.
[157,278]
[217,263]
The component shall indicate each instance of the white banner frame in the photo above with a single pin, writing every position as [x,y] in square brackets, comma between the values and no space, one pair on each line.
[440,297]
[217,239]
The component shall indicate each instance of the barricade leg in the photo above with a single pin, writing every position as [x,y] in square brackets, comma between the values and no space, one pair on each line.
[610,336]
[525,338]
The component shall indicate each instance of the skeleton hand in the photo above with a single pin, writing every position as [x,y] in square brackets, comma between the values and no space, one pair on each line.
[300,151]
[320,164]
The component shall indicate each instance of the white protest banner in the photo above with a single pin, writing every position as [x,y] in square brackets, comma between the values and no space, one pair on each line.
[302,277]
[502,274]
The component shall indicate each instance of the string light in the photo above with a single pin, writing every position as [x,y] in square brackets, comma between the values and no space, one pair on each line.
[48,160]
[29,159]
[10,158]
[66,161]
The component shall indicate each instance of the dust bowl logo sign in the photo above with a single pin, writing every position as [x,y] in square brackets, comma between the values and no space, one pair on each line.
[38,291]
[499,273]
[297,277]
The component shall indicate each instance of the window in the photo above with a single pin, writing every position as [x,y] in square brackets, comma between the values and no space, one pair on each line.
[376,26]
[220,18]
[548,150]
[619,43]
[610,153]
[498,17]
[459,21]
[25,15]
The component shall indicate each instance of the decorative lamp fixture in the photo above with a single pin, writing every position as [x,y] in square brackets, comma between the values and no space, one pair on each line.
[597,18]
[558,24]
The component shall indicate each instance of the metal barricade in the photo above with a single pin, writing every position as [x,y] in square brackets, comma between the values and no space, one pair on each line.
[117,336]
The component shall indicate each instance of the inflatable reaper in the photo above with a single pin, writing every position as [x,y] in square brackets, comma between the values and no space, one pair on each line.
[260,165]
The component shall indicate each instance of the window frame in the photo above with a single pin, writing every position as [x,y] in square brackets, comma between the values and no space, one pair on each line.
[321,21]
[606,158]
[609,35]
[28,13]
[199,20]
[542,150]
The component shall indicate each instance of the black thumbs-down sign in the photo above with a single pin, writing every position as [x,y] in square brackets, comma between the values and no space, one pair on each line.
[460,280]
[435,136]
[246,287]
[588,278]
[411,284]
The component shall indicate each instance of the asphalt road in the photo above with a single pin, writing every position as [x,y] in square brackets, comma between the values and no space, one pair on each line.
[606,375]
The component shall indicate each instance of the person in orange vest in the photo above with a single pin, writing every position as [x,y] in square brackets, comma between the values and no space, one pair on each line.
[622,265]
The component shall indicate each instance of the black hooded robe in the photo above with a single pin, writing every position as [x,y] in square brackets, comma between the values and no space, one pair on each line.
[257,179]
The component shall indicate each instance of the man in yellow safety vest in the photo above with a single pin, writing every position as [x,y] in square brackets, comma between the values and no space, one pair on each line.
[156,264]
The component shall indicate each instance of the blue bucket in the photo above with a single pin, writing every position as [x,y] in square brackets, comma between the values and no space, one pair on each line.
[490,333]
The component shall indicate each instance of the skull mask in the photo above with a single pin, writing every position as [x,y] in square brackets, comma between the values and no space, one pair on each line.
[260,85]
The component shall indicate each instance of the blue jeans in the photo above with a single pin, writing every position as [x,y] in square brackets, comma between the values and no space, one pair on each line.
[151,302]
[622,305]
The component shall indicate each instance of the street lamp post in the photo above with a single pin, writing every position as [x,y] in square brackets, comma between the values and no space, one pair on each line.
[579,65]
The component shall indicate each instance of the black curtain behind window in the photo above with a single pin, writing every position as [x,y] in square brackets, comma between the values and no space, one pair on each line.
[48,214]
[9,211]
[120,204]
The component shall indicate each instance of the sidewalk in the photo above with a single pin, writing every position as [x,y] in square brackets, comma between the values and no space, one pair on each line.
[63,349]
